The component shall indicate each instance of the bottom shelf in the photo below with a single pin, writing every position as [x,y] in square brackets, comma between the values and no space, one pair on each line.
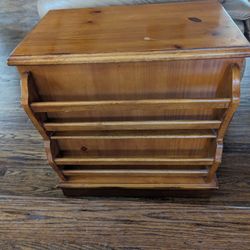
[172,183]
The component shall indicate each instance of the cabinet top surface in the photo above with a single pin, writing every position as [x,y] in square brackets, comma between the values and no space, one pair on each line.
[199,29]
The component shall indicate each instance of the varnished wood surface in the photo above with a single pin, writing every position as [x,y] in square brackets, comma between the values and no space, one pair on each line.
[134,134]
[115,224]
[34,214]
[174,31]
[117,102]
[131,96]
[131,112]
[126,104]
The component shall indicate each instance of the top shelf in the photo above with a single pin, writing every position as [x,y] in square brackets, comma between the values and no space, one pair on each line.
[74,106]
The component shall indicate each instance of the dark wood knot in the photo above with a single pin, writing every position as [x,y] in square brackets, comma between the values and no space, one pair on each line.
[195,19]
[95,12]
[83,148]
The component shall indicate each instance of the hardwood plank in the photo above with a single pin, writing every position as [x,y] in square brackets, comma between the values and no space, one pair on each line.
[126,125]
[233,175]
[162,134]
[75,106]
[95,224]
[143,160]
[26,178]
[139,172]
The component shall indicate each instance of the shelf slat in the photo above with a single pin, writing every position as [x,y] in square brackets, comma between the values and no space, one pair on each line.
[157,134]
[132,125]
[142,183]
[163,104]
[132,173]
[85,160]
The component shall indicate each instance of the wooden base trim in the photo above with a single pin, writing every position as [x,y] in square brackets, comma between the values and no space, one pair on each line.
[167,183]
[215,53]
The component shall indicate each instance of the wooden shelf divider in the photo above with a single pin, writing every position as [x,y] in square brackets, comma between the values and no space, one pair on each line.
[126,172]
[165,104]
[142,160]
[132,125]
[133,134]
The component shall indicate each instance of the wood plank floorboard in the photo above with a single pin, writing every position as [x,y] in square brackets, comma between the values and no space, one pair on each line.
[35,215]
[117,224]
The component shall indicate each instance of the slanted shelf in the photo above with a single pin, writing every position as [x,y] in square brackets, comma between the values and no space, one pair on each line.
[144,153]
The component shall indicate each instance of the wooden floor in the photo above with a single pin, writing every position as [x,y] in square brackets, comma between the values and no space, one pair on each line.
[35,215]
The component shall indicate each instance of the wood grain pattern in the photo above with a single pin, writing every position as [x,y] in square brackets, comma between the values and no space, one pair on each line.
[52,151]
[93,224]
[78,160]
[147,152]
[133,96]
[217,160]
[129,57]
[40,107]
[33,212]
[29,94]
[133,33]
[143,172]
[160,134]
[235,90]
[143,183]
[142,125]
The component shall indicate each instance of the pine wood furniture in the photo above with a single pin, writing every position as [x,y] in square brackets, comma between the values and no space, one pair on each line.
[133,97]
[239,10]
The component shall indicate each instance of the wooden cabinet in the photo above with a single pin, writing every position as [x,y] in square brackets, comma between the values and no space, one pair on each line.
[135,97]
